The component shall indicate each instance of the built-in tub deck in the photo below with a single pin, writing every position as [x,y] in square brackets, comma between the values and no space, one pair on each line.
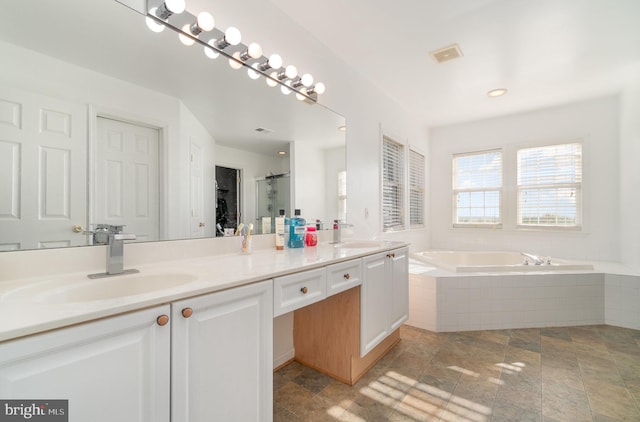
[461,291]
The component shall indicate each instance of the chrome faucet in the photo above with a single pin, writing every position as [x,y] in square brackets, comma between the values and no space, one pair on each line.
[112,236]
[337,230]
[536,259]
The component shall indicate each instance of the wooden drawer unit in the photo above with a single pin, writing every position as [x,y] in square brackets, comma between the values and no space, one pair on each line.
[343,276]
[297,290]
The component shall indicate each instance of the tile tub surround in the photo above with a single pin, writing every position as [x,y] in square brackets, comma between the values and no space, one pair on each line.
[210,263]
[443,301]
[589,373]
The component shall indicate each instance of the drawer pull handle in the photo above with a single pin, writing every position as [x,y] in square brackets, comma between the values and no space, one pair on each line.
[187,312]
[162,320]
[347,276]
[304,290]
[391,255]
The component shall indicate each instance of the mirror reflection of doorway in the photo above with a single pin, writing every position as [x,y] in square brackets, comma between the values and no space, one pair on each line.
[227,199]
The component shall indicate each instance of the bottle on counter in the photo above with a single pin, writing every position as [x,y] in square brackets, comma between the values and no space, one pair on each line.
[296,230]
[280,231]
[311,238]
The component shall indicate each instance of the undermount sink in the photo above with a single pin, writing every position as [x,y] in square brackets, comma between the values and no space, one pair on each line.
[361,244]
[103,289]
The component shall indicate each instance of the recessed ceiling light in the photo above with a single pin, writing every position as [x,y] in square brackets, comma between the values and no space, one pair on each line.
[342,128]
[282,152]
[498,92]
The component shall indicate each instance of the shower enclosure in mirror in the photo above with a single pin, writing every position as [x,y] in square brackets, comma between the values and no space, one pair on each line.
[272,195]
[83,63]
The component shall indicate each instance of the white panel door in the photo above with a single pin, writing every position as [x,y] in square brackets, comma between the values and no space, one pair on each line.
[197,217]
[116,369]
[43,171]
[221,356]
[128,177]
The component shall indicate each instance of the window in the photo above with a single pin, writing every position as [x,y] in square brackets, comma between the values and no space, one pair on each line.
[342,195]
[392,185]
[416,189]
[477,189]
[550,186]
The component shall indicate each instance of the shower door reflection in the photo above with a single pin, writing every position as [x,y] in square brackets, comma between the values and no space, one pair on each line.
[272,194]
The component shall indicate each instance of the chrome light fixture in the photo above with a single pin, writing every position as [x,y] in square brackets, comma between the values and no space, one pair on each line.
[191,29]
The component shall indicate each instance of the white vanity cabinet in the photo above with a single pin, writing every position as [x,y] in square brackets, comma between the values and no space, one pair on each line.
[114,369]
[221,355]
[384,296]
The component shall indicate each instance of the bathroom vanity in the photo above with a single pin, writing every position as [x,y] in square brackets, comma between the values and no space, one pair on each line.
[200,345]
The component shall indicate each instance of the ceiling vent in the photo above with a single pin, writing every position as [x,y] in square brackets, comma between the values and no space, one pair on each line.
[263,130]
[447,53]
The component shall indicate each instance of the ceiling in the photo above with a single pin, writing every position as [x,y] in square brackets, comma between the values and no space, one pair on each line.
[545,52]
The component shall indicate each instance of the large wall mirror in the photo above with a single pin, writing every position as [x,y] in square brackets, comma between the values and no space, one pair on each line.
[104,122]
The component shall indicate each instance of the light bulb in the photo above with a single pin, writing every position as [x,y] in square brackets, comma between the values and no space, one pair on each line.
[275,61]
[254,50]
[300,97]
[285,88]
[291,71]
[175,6]
[320,88]
[205,21]
[211,52]
[233,36]
[169,7]
[270,81]
[307,80]
[151,24]
[235,64]
[252,71]
[184,39]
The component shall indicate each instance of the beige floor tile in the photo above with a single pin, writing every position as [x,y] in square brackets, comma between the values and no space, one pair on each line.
[554,374]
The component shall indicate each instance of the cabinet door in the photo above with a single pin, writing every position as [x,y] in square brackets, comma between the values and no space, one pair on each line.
[399,262]
[115,369]
[374,302]
[222,356]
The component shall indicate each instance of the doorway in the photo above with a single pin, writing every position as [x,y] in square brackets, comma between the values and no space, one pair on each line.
[127,177]
[228,199]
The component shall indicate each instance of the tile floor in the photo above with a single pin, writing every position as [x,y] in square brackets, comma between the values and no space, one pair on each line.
[550,374]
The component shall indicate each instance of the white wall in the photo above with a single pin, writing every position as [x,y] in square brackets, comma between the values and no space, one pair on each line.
[595,122]
[629,174]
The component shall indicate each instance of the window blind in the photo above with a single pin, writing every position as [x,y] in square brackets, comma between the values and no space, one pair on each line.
[550,186]
[416,189]
[477,189]
[392,184]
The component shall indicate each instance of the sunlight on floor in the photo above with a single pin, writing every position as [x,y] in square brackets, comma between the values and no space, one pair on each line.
[418,400]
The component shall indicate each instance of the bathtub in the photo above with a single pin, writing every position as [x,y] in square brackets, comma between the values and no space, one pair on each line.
[473,261]
[462,291]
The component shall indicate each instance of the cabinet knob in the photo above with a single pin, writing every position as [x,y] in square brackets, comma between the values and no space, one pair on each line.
[162,320]
[304,290]
[187,312]
[347,276]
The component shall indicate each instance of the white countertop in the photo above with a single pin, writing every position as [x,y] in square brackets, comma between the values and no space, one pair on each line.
[25,309]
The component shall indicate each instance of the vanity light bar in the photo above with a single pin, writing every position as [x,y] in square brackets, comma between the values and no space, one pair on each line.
[200,30]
